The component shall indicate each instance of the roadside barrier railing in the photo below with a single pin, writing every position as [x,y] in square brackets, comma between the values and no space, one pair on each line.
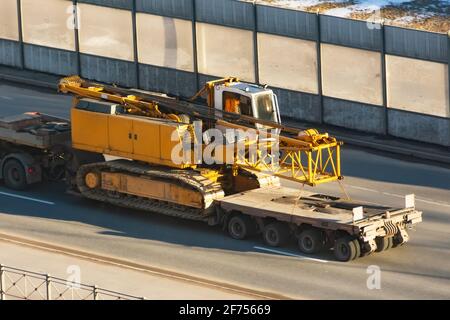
[19,284]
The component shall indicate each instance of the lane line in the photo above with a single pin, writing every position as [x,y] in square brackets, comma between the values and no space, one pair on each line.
[361,188]
[437,203]
[290,254]
[428,201]
[26,198]
[6,98]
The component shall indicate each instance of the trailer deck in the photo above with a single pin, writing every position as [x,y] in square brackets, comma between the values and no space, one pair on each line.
[35,130]
[322,211]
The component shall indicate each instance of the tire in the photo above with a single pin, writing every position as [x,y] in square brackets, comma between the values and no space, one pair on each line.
[311,241]
[396,243]
[384,243]
[347,249]
[276,234]
[14,175]
[241,227]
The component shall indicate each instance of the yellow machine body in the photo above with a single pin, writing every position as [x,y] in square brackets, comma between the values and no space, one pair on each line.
[128,136]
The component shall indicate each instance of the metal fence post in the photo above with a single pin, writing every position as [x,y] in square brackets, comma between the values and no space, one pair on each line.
[448,64]
[2,283]
[48,286]
[384,78]
[194,44]
[21,44]
[319,68]
[255,42]
[77,35]
[135,44]
[95,292]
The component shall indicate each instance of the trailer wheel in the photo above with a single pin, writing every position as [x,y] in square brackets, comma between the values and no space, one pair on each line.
[14,175]
[241,226]
[276,234]
[384,243]
[346,249]
[395,242]
[311,241]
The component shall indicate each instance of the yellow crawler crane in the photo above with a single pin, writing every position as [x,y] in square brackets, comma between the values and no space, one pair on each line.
[240,189]
[306,156]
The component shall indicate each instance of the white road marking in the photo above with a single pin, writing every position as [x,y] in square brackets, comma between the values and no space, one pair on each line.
[26,198]
[361,188]
[428,201]
[6,98]
[289,254]
[437,203]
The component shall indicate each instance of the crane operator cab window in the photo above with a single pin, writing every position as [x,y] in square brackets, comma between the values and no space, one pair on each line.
[237,103]
[264,108]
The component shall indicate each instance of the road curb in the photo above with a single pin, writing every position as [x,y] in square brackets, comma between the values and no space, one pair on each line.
[173,275]
[415,152]
[28,81]
[422,155]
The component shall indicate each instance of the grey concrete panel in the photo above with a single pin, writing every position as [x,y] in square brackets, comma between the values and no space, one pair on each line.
[352,74]
[288,63]
[169,8]
[120,4]
[298,105]
[346,32]
[166,80]
[225,51]
[417,86]
[419,127]
[50,60]
[285,22]
[9,53]
[107,70]
[230,13]
[353,115]
[416,44]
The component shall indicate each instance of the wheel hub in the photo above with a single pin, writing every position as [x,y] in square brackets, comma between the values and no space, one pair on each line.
[307,242]
[92,180]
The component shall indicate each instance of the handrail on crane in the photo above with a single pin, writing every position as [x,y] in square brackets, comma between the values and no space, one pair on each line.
[306,156]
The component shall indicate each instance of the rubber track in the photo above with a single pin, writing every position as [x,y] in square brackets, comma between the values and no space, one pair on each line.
[210,190]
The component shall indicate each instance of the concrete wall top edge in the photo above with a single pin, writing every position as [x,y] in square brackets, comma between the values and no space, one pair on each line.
[183,9]
[285,22]
[353,33]
[230,13]
[416,44]
[119,4]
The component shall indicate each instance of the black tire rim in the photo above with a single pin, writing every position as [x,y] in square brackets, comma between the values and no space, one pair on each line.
[307,243]
[344,250]
[272,236]
[14,175]
[237,228]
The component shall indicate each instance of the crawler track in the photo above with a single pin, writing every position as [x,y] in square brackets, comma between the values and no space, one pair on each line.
[191,179]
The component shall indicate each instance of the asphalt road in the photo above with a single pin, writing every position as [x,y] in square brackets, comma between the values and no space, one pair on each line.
[420,269]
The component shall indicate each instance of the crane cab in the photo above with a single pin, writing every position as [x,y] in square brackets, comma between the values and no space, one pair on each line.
[247,99]
[232,95]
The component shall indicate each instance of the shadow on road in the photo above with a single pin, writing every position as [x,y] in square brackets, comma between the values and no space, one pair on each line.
[372,166]
[124,222]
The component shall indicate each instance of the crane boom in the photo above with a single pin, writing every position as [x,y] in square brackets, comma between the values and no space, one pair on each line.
[306,156]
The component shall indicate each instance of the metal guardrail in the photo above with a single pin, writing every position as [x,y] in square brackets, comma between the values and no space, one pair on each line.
[19,284]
